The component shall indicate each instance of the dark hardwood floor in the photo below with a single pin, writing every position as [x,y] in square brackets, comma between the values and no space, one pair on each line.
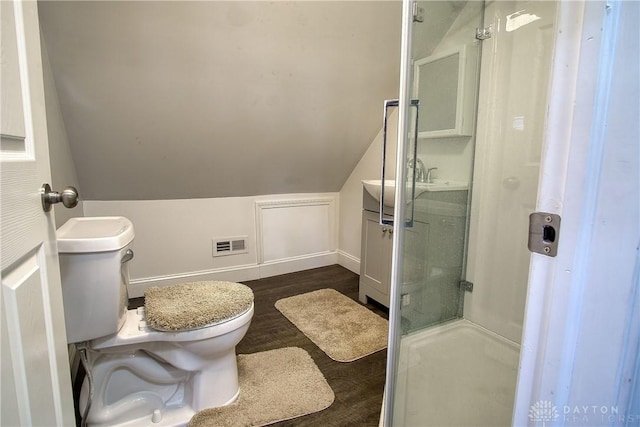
[357,385]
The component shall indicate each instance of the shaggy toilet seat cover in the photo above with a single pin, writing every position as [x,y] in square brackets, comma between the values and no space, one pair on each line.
[195,305]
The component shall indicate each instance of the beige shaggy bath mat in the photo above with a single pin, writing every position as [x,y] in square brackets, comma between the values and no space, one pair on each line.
[342,328]
[275,385]
[195,305]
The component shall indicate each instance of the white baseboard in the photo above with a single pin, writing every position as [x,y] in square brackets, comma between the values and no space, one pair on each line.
[300,263]
[349,262]
[241,273]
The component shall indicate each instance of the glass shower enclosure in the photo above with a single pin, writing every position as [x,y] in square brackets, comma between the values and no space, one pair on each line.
[469,160]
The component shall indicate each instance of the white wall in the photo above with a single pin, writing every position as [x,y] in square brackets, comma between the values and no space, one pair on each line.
[169,99]
[174,238]
[63,170]
[313,152]
[369,167]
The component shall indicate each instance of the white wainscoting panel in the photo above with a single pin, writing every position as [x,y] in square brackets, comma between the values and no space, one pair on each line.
[295,228]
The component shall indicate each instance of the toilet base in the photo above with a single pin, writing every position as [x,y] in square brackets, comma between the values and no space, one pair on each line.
[137,389]
[175,417]
[178,417]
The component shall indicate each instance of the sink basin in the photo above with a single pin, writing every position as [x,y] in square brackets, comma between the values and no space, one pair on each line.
[374,188]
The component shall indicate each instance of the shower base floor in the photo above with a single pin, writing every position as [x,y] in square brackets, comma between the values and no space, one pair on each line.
[456,374]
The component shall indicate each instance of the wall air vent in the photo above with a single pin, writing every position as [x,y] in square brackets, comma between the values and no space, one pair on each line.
[229,246]
[237,245]
[223,246]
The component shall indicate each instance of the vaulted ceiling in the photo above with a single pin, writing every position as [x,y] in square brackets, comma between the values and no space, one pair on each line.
[180,99]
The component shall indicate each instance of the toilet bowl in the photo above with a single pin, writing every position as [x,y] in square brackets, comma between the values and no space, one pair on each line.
[140,375]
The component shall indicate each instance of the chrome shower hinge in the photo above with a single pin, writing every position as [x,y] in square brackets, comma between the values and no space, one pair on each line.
[484,33]
[418,13]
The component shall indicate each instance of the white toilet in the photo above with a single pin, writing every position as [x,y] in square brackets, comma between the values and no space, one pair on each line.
[141,376]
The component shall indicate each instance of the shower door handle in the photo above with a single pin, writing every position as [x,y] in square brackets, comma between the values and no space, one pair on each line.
[395,103]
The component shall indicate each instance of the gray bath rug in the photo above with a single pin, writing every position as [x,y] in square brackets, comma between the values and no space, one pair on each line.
[342,328]
[275,385]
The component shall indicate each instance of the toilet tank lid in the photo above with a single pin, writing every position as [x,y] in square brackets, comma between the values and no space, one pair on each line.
[94,234]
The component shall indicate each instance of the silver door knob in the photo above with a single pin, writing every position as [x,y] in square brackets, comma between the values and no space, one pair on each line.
[68,197]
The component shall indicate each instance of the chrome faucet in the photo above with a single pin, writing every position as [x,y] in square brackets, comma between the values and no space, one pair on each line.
[429,175]
[421,173]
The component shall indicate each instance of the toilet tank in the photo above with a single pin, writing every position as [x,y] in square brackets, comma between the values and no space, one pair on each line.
[94,254]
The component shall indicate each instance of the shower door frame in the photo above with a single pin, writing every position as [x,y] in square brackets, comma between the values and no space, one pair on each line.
[567,179]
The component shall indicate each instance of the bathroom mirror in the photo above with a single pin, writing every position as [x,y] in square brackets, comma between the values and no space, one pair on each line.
[444,84]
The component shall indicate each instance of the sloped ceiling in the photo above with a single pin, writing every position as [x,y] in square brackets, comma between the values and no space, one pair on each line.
[178,99]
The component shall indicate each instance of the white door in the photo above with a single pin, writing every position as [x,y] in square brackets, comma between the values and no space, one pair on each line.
[36,383]
[581,340]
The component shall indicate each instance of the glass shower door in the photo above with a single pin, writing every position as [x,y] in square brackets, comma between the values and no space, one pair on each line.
[443,78]
[440,71]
